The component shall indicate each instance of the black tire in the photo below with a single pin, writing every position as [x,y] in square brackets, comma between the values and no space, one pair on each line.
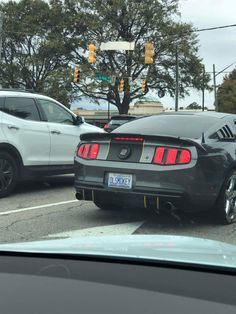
[8,174]
[226,202]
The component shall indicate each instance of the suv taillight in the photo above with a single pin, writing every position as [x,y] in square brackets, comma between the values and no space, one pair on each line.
[171,156]
[88,151]
[107,126]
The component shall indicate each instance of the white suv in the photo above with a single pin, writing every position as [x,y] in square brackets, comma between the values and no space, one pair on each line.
[38,136]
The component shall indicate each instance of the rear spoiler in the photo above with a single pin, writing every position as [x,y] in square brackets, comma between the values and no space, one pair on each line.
[110,136]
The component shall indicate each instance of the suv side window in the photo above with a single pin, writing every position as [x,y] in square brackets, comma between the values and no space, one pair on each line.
[20,107]
[54,113]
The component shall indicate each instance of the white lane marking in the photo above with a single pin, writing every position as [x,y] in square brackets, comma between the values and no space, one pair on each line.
[15,211]
[118,229]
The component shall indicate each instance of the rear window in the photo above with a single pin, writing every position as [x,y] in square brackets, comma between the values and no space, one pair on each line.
[117,122]
[191,126]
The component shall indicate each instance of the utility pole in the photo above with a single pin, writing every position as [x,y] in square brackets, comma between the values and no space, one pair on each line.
[214,85]
[203,88]
[176,80]
[1,32]
[214,82]
[109,97]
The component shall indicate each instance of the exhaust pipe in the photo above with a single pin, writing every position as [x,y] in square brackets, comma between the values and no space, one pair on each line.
[170,206]
[173,210]
[79,196]
[83,195]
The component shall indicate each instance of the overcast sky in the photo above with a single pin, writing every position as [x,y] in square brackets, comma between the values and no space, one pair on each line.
[216,47]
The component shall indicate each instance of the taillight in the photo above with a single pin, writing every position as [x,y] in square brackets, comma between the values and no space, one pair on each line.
[88,151]
[106,126]
[171,156]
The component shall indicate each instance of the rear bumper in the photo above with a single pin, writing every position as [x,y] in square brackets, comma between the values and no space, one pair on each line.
[135,198]
[188,189]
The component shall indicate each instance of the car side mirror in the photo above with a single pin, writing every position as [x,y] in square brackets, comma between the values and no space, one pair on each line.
[79,120]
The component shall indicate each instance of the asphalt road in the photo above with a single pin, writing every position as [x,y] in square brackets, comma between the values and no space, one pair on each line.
[48,209]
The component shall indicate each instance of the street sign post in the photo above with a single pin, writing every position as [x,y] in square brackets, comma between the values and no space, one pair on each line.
[103,77]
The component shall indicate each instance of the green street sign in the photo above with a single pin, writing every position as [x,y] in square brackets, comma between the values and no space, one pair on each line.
[103,77]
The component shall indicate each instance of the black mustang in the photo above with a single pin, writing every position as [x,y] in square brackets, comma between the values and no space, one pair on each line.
[178,160]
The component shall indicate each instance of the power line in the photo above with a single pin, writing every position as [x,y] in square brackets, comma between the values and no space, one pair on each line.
[214,28]
[169,35]
[210,72]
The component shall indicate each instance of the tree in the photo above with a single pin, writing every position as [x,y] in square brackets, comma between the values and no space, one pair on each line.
[134,21]
[226,94]
[36,49]
[194,106]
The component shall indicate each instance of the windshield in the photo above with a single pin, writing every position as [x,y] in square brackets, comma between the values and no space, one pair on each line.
[170,64]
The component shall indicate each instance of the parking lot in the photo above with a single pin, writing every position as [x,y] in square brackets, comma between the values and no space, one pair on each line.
[48,209]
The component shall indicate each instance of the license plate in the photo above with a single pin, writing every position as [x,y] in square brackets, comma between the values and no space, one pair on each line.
[122,181]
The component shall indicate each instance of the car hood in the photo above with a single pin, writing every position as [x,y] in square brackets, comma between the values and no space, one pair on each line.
[142,247]
[88,128]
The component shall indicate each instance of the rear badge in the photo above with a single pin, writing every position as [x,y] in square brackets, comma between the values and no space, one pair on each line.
[124,152]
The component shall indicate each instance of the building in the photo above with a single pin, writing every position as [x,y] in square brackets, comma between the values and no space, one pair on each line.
[140,108]
[146,107]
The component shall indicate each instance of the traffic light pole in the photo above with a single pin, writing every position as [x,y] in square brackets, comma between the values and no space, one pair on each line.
[203,88]
[214,84]
[176,80]
[108,111]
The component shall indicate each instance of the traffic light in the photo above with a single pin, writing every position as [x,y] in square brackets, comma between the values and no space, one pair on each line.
[76,74]
[92,54]
[144,86]
[122,85]
[149,53]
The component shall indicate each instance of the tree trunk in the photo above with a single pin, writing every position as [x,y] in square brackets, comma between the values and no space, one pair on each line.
[124,108]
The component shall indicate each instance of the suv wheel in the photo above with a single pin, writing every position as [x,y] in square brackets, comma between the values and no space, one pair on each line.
[8,174]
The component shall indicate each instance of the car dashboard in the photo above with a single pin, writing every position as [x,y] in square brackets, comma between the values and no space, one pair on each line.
[49,283]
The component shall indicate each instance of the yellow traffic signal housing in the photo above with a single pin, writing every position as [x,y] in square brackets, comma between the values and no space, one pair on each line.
[149,53]
[92,54]
[122,85]
[76,74]
[143,86]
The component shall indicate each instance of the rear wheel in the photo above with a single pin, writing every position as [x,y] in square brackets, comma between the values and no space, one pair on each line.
[8,174]
[226,204]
